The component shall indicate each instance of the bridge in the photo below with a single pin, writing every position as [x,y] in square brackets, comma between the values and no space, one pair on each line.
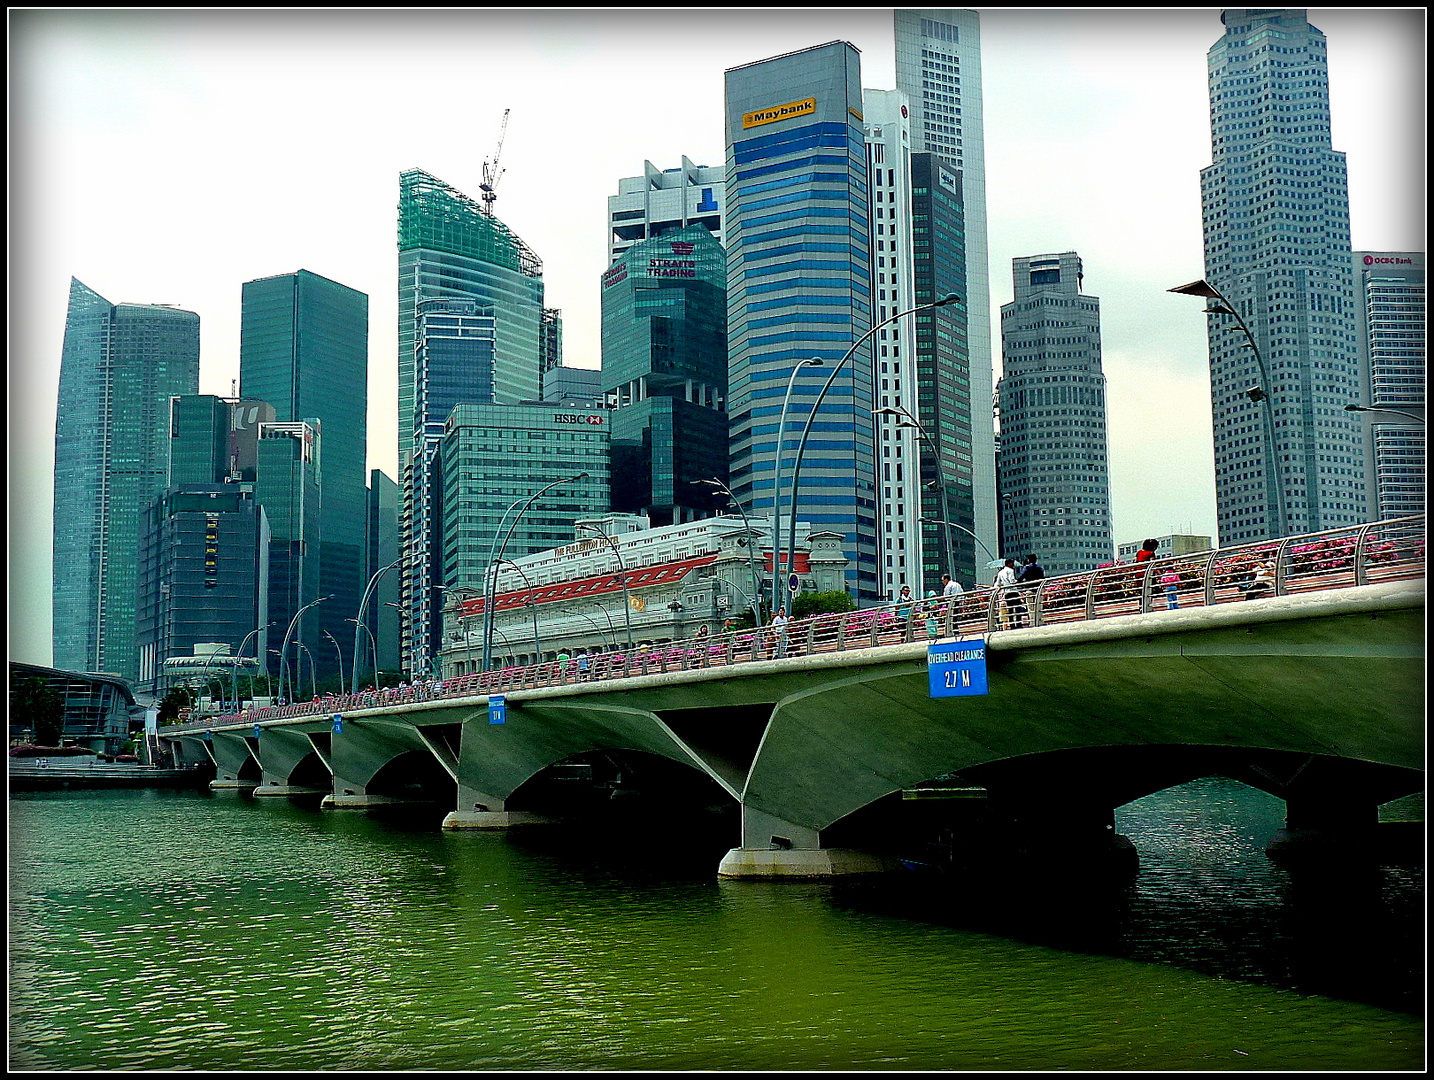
[829,740]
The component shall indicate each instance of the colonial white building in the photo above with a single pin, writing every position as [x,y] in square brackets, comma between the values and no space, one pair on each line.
[623,582]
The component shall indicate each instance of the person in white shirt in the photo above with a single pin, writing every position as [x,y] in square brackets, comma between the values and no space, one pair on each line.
[1010,598]
[950,586]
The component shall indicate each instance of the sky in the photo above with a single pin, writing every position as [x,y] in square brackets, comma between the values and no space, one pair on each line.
[170,156]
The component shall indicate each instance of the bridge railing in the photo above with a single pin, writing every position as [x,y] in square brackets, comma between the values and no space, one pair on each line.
[1336,559]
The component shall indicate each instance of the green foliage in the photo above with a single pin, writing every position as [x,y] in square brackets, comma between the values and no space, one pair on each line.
[179,697]
[36,705]
[822,603]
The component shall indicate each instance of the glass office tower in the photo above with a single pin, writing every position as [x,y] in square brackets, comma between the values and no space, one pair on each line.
[120,365]
[303,348]
[664,350]
[471,329]
[1276,217]
[938,68]
[1054,461]
[1390,288]
[799,286]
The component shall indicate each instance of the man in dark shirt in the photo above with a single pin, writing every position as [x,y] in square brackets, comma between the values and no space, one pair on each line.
[1031,572]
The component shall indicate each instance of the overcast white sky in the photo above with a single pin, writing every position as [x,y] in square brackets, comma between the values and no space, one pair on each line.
[170,156]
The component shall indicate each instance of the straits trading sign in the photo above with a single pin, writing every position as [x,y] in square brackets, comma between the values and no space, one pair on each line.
[805,107]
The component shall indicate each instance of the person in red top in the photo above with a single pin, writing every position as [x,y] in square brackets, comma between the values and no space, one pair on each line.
[1146,552]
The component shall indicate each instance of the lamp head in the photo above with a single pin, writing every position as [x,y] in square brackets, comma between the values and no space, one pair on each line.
[949,298]
[1196,288]
[1218,308]
[1354,408]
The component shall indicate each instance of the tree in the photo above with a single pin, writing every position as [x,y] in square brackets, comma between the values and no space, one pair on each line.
[822,603]
[179,697]
[40,707]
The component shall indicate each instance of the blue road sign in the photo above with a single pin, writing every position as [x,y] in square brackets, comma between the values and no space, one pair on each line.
[957,668]
[497,709]
[338,723]
[258,731]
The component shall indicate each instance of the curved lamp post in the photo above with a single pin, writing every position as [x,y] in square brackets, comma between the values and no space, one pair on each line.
[532,603]
[949,298]
[1274,479]
[363,606]
[1370,408]
[910,421]
[622,572]
[313,676]
[234,672]
[814,361]
[373,646]
[751,555]
[495,557]
[341,659]
[284,648]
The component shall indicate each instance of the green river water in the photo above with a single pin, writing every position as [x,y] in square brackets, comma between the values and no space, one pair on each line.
[154,930]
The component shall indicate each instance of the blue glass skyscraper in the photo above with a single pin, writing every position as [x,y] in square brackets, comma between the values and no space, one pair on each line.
[798,241]
[120,365]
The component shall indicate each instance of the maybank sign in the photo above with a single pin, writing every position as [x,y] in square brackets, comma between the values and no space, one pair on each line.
[805,107]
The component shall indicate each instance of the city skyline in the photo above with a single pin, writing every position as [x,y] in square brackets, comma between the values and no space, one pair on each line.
[1129,84]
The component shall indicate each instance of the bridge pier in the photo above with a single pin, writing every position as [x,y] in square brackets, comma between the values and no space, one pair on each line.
[773,848]
[488,812]
[281,752]
[1070,835]
[1331,825]
[234,763]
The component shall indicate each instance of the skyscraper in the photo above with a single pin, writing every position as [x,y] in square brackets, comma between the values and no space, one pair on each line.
[888,147]
[798,237]
[938,68]
[664,353]
[471,330]
[1276,218]
[1390,293]
[665,200]
[1054,464]
[303,348]
[120,365]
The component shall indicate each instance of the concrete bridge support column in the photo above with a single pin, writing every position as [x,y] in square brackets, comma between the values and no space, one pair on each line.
[773,848]
[1335,825]
[280,752]
[231,755]
[1068,834]
[479,810]
[356,756]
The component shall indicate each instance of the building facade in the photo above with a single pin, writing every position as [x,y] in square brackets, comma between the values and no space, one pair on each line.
[938,68]
[1276,218]
[574,386]
[203,576]
[100,710]
[1054,463]
[471,329]
[120,365]
[662,201]
[286,485]
[494,458]
[385,546]
[1173,544]
[799,272]
[888,147]
[1389,286]
[303,348]
[664,369]
[647,585]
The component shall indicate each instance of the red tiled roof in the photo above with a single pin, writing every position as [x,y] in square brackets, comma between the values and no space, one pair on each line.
[598,585]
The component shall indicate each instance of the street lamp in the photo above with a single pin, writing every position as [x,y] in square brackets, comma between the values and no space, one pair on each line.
[373,646]
[965,530]
[284,648]
[532,603]
[341,659]
[494,557]
[949,298]
[1274,479]
[234,671]
[313,676]
[814,361]
[910,421]
[751,556]
[363,606]
[622,572]
[1369,408]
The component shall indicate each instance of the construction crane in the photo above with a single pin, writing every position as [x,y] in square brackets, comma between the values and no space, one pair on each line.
[491,172]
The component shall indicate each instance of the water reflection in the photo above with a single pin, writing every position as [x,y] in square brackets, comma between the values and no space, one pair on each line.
[182,931]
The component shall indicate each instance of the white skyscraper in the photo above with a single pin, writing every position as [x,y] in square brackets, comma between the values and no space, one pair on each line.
[1277,248]
[663,201]
[938,68]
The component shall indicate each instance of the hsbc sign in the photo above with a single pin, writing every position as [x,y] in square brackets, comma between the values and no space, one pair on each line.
[593,419]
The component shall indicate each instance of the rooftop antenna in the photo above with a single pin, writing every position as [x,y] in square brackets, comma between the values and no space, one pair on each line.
[491,172]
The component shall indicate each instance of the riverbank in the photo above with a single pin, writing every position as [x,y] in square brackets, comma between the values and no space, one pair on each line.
[49,774]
